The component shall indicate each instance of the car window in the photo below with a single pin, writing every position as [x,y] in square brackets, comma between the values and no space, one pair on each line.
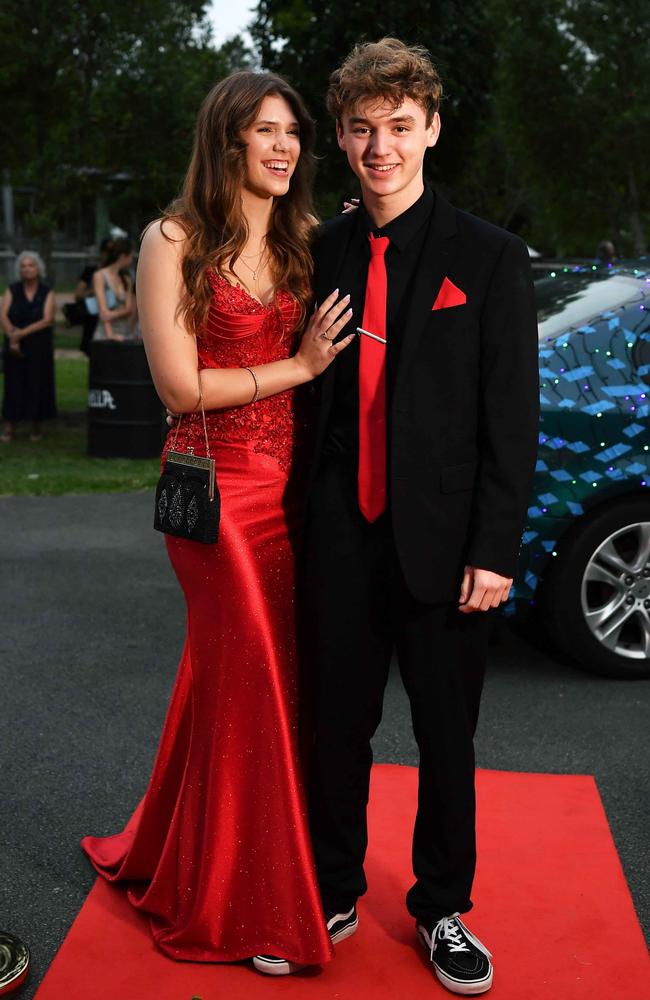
[574,298]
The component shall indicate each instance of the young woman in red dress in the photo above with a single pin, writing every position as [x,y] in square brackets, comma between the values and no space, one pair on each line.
[218,852]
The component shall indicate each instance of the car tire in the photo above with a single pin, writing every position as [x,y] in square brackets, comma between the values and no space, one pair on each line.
[586,591]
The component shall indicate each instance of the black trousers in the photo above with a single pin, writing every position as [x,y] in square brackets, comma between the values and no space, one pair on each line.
[88,328]
[356,610]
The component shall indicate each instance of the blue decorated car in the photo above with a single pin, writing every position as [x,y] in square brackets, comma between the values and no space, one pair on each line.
[585,560]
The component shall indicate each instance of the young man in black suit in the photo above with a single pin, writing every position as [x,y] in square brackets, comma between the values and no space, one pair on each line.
[425,449]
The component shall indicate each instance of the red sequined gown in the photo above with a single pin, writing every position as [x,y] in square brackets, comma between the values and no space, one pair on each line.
[218,852]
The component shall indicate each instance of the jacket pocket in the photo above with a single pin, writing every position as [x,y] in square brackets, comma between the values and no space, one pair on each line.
[454,478]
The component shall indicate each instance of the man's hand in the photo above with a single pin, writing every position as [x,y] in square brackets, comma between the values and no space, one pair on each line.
[482,589]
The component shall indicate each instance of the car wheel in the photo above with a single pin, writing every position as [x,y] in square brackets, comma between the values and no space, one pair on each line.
[595,598]
[14,963]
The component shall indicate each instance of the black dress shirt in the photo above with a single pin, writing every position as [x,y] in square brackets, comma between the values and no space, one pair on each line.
[406,234]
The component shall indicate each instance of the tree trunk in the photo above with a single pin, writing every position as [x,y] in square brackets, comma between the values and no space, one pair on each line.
[46,253]
[634,214]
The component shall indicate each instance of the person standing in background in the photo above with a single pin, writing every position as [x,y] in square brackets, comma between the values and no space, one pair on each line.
[606,252]
[113,288]
[85,288]
[27,318]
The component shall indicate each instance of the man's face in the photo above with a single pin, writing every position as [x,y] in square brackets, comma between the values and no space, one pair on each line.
[385,146]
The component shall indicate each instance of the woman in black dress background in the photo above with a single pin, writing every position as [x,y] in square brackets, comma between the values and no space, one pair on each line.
[27,317]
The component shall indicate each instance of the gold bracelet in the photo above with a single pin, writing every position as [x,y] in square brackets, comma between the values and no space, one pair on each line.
[256,395]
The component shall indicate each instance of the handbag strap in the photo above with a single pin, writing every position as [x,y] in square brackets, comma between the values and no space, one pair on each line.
[205,426]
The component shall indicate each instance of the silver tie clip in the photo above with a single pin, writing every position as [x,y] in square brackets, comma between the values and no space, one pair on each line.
[368,334]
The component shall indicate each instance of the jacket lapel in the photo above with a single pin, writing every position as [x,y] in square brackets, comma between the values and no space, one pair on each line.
[329,257]
[330,260]
[431,272]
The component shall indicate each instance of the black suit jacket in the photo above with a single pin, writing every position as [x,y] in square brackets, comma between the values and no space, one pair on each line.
[465,409]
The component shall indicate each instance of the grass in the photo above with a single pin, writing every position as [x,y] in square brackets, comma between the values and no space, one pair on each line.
[59,463]
[72,385]
[67,337]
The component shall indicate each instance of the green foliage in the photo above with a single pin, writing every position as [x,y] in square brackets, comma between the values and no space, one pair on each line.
[102,98]
[306,39]
[59,463]
[573,99]
[545,115]
[545,120]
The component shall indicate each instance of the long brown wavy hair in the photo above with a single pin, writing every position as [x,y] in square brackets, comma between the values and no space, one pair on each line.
[209,209]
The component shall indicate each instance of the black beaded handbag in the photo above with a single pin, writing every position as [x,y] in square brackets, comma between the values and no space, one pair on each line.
[188,504]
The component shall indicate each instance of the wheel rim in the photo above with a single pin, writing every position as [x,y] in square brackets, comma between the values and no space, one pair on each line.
[615,592]
[14,962]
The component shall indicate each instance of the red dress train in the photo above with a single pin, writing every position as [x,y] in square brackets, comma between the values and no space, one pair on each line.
[218,852]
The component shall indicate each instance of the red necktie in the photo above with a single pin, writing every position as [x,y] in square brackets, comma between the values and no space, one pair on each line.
[372,387]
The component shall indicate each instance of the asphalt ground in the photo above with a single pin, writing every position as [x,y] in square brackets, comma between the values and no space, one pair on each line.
[91,633]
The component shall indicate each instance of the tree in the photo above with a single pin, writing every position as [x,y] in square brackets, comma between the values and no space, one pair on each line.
[306,39]
[102,98]
[545,120]
[573,103]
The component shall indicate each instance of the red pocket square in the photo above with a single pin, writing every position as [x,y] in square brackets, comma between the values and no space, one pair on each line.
[449,295]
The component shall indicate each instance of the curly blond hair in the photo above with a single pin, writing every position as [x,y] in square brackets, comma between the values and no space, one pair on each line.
[389,70]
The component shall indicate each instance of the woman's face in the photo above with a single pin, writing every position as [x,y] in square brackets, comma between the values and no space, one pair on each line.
[28,269]
[272,148]
[105,253]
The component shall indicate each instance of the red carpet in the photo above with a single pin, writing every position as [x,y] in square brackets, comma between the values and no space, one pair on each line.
[552,906]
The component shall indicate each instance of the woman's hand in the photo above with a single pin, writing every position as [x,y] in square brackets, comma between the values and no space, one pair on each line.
[110,333]
[14,344]
[317,350]
[350,205]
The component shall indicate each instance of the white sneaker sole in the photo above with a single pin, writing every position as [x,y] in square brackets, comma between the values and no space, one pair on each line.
[281,967]
[455,985]
[464,989]
[276,966]
[345,932]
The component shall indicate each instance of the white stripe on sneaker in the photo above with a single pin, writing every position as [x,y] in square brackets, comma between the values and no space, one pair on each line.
[273,966]
[348,928]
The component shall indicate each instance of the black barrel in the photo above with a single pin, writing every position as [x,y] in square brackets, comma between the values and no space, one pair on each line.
[125,416]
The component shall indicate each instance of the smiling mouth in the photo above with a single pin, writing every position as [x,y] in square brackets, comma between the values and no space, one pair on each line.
[277,166]
[382,168]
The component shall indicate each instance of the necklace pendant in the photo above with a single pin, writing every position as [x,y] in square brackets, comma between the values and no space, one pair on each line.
[254,275]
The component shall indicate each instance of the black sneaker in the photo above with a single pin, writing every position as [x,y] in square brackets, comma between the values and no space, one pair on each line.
[460,961]
[273,966]
[342,925]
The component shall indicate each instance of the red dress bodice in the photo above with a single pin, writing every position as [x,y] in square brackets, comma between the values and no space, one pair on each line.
[241,332]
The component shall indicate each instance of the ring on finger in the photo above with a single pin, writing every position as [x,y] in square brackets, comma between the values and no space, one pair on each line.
[324,336]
